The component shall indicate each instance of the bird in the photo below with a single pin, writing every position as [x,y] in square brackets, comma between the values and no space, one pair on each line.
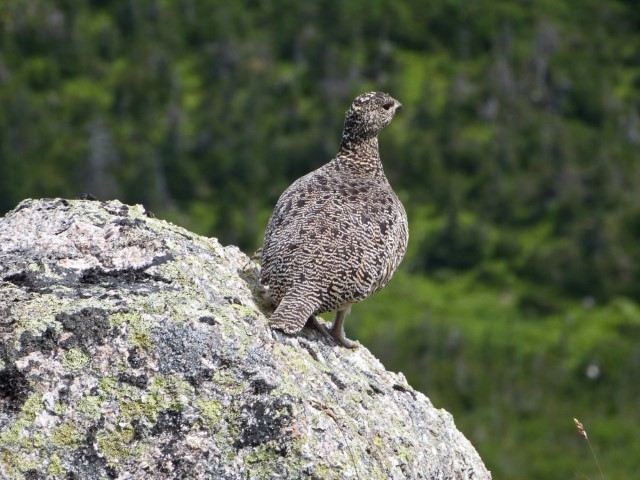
[337,234]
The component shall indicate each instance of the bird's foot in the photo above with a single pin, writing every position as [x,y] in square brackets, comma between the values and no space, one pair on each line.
[336,334]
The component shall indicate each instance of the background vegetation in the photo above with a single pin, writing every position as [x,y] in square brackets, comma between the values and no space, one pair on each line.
[517,157]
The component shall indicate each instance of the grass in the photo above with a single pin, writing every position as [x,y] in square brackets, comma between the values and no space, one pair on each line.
[583,434]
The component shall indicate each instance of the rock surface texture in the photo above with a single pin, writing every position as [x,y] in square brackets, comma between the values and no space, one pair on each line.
[131,348]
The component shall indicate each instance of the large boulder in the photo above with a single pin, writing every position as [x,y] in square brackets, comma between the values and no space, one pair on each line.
[133,348]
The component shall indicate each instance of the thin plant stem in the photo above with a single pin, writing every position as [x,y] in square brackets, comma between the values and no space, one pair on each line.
[583,434]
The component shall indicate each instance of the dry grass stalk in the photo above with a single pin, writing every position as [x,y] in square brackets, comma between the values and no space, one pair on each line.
[580,428]
[583,434]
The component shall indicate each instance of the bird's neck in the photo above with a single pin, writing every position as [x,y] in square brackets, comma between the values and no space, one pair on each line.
[360,154]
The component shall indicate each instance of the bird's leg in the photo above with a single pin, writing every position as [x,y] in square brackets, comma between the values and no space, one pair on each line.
[337,329]
[318,325]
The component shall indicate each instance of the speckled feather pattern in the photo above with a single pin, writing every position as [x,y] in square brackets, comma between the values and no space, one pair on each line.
[338,234]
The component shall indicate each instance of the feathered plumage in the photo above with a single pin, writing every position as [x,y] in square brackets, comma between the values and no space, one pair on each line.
[336,235]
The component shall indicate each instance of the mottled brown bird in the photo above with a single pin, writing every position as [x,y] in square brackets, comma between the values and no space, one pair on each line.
[338,234]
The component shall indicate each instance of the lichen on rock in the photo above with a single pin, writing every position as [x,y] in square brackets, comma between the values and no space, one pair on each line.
[132,348]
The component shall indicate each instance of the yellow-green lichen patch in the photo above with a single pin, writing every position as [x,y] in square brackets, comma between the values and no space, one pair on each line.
[299,368]
[322,471]
[116,445]
[8,462]
[157,305]
[59,408]
[36,315]
[211,411]
[145,409]
[133,404]
[66,435]
[138,327]
[117,319]
[108,384]
[20,442]
[39,439]
[13,435]
[90,406]
[55,466]
[403,453]
[244,311]
[171,392]
[75,359]
[30,408]
[14,464]
[16,441]
[264,459]
[164,392]
[228,380]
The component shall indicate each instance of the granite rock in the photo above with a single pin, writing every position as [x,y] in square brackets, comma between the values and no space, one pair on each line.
[131,348]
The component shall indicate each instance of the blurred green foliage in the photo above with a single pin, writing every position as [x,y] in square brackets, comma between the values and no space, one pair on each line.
[517,157]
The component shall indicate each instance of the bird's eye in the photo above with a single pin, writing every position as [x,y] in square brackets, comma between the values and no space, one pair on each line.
[387,105]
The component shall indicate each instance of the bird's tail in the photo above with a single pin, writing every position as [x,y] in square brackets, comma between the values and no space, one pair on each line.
[292,313]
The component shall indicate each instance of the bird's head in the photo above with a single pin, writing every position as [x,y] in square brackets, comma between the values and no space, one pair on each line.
[369,113]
